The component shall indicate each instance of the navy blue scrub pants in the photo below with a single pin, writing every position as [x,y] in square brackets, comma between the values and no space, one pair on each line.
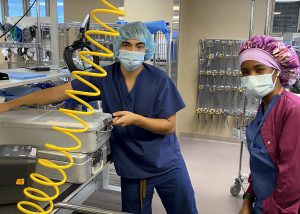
[174,189]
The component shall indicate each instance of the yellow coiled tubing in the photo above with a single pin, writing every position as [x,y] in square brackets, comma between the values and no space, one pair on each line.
[39,195]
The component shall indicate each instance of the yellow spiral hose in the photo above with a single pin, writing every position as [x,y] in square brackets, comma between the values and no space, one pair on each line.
[39,195]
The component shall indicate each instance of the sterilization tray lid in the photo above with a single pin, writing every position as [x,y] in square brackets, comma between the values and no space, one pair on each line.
[54,155]
[45,119]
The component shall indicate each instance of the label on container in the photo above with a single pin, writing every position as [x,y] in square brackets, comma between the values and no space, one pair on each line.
[20,181]
[33,152]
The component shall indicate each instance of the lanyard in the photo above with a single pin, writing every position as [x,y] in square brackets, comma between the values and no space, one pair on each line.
[280,91]
[268,110]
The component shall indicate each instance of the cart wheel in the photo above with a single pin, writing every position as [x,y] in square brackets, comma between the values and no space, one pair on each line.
[235,189]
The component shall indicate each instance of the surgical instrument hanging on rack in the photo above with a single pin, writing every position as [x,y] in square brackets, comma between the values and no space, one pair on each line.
[219,91]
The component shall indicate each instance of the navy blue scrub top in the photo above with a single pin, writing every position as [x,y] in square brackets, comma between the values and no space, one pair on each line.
[138,153]
[263,171]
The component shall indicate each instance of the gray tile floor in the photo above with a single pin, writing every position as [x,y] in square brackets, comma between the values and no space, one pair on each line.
[213,166]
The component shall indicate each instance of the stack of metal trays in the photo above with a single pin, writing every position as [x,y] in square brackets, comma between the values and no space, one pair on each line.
[34,127]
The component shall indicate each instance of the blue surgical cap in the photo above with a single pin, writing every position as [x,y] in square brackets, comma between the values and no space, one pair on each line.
[138,31]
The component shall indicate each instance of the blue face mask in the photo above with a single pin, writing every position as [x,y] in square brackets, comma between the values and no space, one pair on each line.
[131,60]
[259,86]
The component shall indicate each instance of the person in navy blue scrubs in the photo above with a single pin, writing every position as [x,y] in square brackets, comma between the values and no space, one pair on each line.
[144,102]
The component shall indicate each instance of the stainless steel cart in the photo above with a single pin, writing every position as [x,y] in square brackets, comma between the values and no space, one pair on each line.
[241,181]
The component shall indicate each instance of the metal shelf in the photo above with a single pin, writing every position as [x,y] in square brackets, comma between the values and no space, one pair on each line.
[18,45]
[77,25]
[70,194]
[51,75]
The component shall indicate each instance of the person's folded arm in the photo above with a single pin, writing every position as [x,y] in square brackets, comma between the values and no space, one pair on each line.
[286,196]
[157,126]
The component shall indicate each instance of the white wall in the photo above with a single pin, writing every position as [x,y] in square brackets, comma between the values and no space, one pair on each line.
[213,19]
[148,10]
[76,10]
[136,10]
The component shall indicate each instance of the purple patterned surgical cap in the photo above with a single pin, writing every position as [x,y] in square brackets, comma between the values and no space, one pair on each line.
[282,53]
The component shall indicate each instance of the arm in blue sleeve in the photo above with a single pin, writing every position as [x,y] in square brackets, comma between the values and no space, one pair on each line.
[168,101]
[80,86]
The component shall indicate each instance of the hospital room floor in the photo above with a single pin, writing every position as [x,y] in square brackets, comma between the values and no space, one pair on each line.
[212,165]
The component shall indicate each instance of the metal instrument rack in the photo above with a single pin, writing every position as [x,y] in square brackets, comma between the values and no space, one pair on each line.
[36,43]
[219,92]
[161,56]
